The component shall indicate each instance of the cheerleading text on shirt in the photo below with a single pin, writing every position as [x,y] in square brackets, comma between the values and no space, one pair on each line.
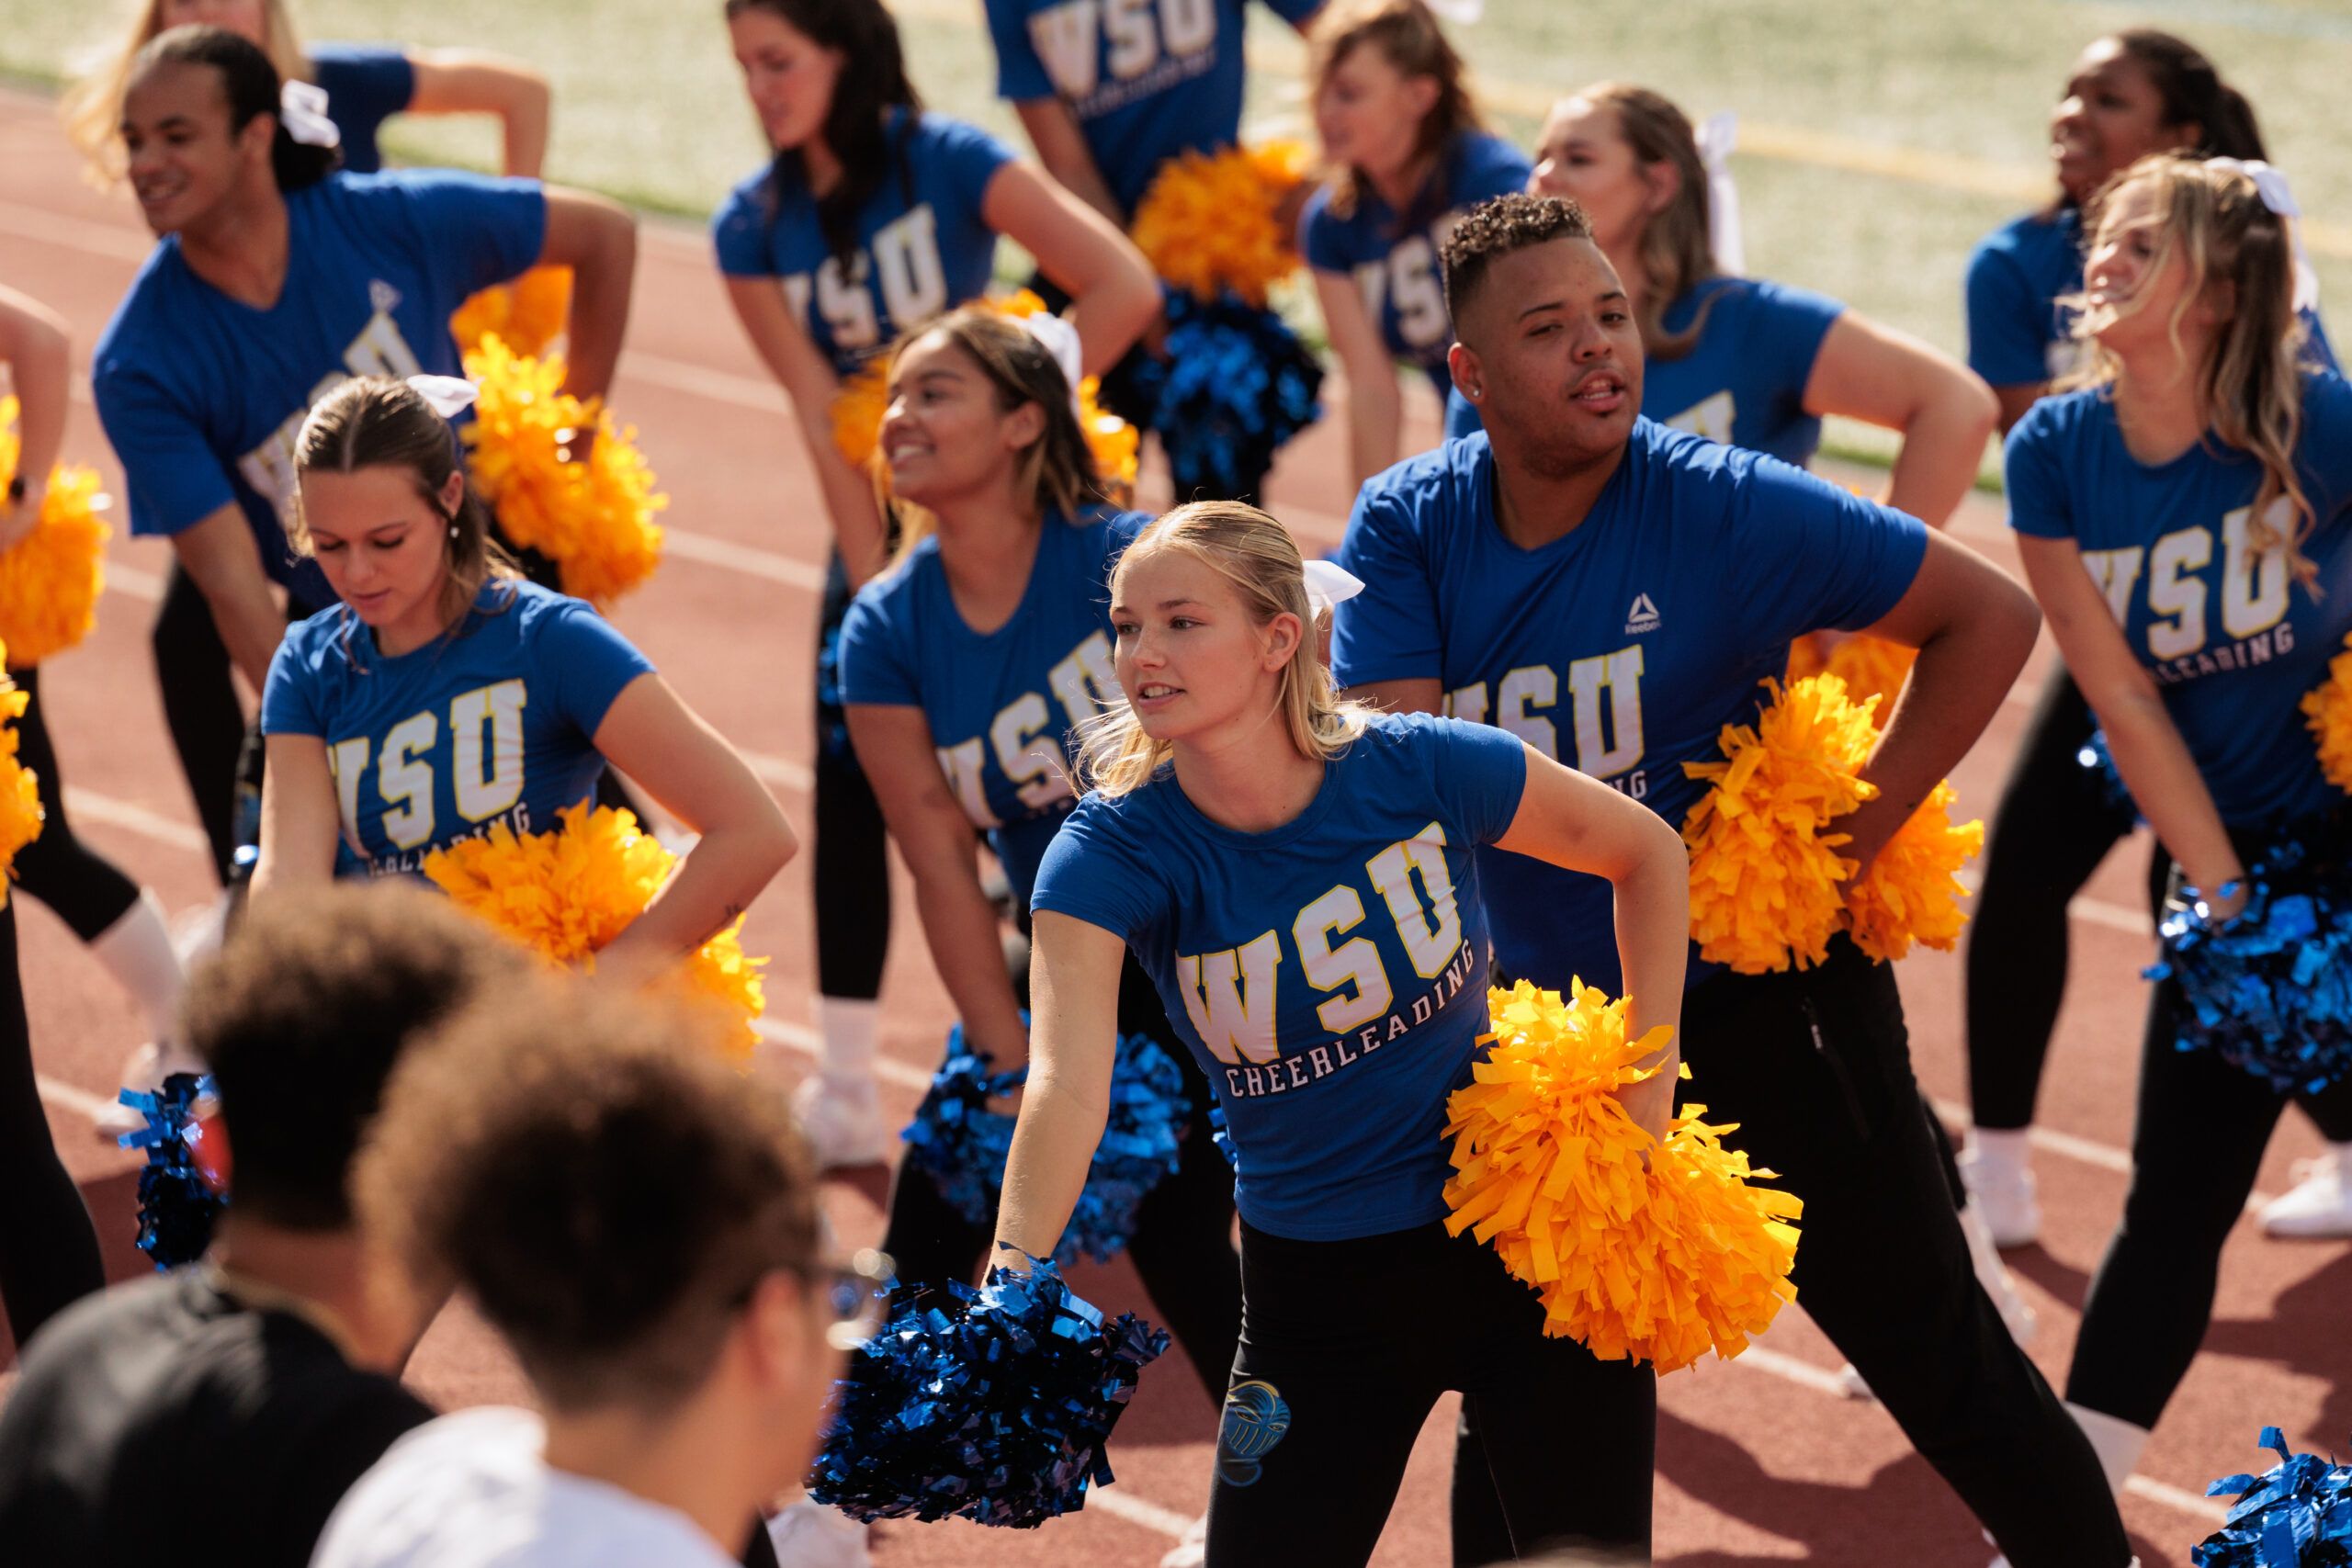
[1147,46]
[378,350]
[1604,713]
[484,752]
[411,862]
[902,258]
[2250,599]
[1026,741]
[1409,276]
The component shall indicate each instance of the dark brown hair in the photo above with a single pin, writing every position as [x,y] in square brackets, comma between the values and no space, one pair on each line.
[1494,228]
[1407,35]
[2193,91]
[1678,246]
[250,84]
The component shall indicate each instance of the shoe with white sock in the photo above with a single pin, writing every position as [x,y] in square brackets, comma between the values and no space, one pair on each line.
[807,1534]
[1191,1549]
[842,1121]
[2319,1206]
[2001,1187]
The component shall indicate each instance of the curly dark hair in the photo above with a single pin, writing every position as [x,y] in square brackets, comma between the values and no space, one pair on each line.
[1494,228]
[606,1187]
[302,1016]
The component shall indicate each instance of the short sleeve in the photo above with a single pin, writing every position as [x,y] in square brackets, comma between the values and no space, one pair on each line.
[475,230]
[365,84]
[1095,872]
[739,232]
[2033,476]
[289,698]
[2007,321]
[1479,774]
[587,662]
[1321,236]
[1294,12]
[1020,72]
[1807,554]
[1489,167]
[176,480]
[1786,329]
[874,669]
[1390,631]
[970,156]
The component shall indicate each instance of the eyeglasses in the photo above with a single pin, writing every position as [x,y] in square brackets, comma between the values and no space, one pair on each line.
[854,1294]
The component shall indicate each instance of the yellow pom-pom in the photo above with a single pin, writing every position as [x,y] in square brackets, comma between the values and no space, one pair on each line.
[858,406]
[1764,875]
[1213,221]
[2328,714]
[527,314]
[594,519]
[20,813]
[1912,891]
[1660,1264]
[50,582]
[1871,667]
[566,894]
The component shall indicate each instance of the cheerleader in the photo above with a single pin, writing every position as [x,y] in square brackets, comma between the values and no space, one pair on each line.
[1615,590]
[2203,443]
[275,278]
[1743,360]
[120,921]
[2131,93]
[1409,154]
[365,86]
[443,696]
[873,218]
[1242,820]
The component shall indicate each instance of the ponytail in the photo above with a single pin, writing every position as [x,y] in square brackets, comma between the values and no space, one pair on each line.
[251,84]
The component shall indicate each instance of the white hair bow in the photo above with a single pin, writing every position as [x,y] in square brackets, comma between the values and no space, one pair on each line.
[447,396]
[1059,338]
[302,110]
[2278,195]
[1461,13]
[1716,139]
[1329,585]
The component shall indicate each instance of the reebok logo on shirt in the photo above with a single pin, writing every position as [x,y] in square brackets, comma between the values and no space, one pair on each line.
[1642,617]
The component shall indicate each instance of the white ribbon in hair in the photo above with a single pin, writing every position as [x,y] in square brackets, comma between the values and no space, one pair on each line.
[2278,195]
[1461,13]
[302,110]
[1059,338]
[1717,137]
[447,396]
[1328,585]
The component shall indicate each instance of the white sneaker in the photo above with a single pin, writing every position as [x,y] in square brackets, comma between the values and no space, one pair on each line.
[2319,1206]
[1191,1549]
[843,1121]
[2003,1193]
[810,1535]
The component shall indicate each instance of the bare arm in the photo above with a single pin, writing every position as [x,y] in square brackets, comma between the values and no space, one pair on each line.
[299,819]
[458,81]
[809,380]
[1375,406]
[1060,143]
[2148,750]
[1114,295]
[1891,379]
[2015,401]
[895,749]
[34,346]
[596,237]
[220,556]
[1073,1043]
[693,773]
[1420,695]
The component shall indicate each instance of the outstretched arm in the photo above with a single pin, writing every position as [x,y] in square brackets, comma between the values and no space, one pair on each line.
[1073,1041]
[459,81]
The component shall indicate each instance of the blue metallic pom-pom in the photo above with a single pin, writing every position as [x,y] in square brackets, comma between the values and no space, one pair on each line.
[2099,763]
[177,1208]
[2298,1514]
[991,1405]
[1235,383]
[2270,989]
[962,1144]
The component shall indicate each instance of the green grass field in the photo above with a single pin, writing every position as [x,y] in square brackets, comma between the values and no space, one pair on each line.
[648,106]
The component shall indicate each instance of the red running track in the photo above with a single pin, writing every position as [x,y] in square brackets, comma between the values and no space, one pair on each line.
[1759,1460]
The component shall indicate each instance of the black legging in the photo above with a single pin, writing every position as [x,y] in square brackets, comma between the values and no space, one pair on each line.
[852,863]
[82,887]
[200,708]
[49,1250]
[1182,1246]
[2054,824]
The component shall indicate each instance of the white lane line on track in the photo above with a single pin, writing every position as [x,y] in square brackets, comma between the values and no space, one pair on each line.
[65,1096]
[1137,1511]
[135,819]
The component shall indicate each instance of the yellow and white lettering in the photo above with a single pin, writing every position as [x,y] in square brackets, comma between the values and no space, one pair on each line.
[1135,41]
[2174,590]
[1620,675]
[1710,417]
[1529,686]
[1468,703]
[906,260]
[1229,997]
[1355,963]
[1084,680]
[347,759]
[405,781]
[2117,572]
[1027,753]
[1431,936]
[844,302]
[1422,320]
[2254,582]
[380,350]
[1187,26]
[485,791]
[962,763]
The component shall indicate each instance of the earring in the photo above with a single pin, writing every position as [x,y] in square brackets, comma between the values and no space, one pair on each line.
[453,530]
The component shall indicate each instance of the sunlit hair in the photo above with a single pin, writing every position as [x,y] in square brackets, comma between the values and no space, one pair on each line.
[378,422]
[2241,262]
[1408,37]
[1677,249]
[92,106]
[1057,470]
[1258,556]
[1493,229]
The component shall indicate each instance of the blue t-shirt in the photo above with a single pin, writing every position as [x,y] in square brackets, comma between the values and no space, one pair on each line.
[1000,707]
[2232,641]
[1145,81]
[923,247]
[1622,648]
[202,395]
[1330,976]
[2018,335]
[1743,382]
[365,84]
[494,724]
[1399,274]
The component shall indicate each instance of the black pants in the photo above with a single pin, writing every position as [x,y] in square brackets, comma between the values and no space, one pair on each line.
[1816,1069]
[851,864]
[2054,824]
[84,887]
[200,708]
[1347,1345]
[48,1251]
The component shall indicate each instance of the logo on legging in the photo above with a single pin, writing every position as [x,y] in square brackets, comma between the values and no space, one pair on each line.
[1255,1420]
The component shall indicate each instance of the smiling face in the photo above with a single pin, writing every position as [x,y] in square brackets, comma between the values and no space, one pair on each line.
[2111,116]
[384,548]
[249,20]
[185,160]
[787,74]
[1369,113]
[1552,353]
[1584,155]
[946,431]
[2133,282]
[1193,665]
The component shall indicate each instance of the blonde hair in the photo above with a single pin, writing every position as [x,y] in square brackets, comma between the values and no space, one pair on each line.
[92,106]
[1407,36]
[2252,381]
[1677,249]
[1258,556]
